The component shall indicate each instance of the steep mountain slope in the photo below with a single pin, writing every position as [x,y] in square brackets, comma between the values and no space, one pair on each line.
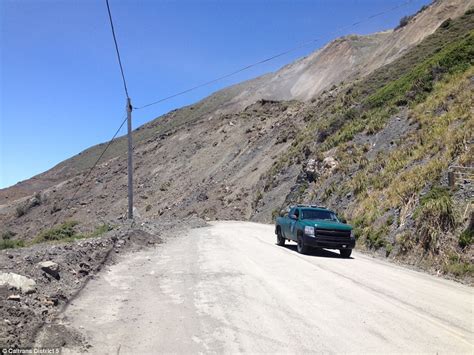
[368,148]
[380,149]
[344,59]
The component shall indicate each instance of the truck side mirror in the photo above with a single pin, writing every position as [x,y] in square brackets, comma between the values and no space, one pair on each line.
[343,220]
[293,216]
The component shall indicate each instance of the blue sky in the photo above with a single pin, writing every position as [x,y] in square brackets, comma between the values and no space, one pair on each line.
[60,85]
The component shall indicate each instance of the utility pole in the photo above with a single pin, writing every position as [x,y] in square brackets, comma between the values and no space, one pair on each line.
[130,160]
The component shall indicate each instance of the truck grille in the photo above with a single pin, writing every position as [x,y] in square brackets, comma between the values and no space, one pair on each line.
[331,234]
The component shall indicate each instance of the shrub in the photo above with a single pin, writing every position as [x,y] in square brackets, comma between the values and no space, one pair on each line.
[63,231]
[11,244]
[466,238]
[390,221]
[434,215]
[359,183]
[388,249]
[457,267]
[403,22]
[23,209]
[20,210]
[376,239]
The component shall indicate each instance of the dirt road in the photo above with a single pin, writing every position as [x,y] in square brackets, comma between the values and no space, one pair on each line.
[229,288]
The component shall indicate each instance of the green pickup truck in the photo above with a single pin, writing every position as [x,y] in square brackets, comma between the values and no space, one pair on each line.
[316,227]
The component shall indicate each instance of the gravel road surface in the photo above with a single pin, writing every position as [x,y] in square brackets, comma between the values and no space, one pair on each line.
[229,288]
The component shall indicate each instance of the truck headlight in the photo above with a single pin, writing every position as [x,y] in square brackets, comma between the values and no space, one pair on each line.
[309,231]
[352,234]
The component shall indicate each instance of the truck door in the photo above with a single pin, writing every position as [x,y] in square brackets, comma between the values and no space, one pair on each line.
[285,224]
[289,225]
[292,226]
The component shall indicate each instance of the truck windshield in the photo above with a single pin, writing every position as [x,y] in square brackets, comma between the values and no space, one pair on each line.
[319,214]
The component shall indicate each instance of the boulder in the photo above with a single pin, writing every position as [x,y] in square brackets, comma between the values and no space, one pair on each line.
[50,267]
[22,283]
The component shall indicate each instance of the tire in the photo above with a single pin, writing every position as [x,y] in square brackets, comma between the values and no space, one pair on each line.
[280,240]
[301,247]
[345,253]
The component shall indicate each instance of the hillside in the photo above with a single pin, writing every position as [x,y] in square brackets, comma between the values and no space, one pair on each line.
[374,145]
[302,80]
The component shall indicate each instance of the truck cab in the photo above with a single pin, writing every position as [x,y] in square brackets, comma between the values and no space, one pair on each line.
[314,227]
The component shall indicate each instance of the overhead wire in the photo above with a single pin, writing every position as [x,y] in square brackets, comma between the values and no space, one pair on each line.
[293,49]
[117,49]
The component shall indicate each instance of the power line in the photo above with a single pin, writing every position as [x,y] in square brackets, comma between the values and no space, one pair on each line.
[129,125]
[302,45]
[93,166]
[116,48]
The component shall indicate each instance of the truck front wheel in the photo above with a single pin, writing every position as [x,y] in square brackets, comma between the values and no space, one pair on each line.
[345,253]
[301,247]
[280,239]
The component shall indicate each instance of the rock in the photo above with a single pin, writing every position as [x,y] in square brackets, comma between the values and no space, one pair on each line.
[35,201]
[22,283]
[14,298]
[310,170]
[329,164]
[202,197]
[49,302]
[50,267]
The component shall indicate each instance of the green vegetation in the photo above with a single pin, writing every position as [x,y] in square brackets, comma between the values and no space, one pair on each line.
[377,238]
[6,241]
[62,232]
[434,215]
[66,232]
[397,178]
[416,84]
[457,267]
[11,244]
[466,238]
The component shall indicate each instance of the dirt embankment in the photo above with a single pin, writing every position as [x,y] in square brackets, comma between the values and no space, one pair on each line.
[36,283]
